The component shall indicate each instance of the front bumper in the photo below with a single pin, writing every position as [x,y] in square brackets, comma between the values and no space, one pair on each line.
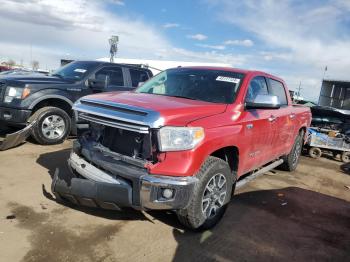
[120,185]
[14,116]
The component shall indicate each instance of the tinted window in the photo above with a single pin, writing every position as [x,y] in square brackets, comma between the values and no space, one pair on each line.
[214,86]
[137,77]
[115,75]
[277,89]
[257,86]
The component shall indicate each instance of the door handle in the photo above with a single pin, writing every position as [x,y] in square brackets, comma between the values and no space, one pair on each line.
[272,118]
[292,116]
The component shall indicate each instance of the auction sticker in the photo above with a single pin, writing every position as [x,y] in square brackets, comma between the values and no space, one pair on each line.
[78,70]
[228,79]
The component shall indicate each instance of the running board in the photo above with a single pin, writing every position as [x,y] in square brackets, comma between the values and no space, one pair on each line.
[258,173]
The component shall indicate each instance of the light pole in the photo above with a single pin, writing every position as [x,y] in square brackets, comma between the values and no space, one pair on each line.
[113,43]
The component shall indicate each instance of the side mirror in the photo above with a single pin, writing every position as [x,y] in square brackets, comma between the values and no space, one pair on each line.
[140,84]
[100,83]
[263,102]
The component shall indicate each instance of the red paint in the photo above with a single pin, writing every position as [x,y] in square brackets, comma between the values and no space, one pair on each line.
[225,125]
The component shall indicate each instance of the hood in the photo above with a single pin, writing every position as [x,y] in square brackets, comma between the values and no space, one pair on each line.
[34,79]
[175,111]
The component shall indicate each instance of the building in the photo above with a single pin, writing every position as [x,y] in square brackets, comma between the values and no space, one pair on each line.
[335,93]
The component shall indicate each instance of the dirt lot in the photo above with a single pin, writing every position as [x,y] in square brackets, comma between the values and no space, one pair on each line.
[297,216]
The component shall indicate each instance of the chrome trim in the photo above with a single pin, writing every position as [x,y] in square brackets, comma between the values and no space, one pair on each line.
[88,171]
[130,127]
[150,194]
[106,109]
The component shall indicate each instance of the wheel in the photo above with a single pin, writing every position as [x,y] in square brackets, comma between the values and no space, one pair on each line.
[52,127]
[315,152]
[345,157]
[210,196]
[291,160]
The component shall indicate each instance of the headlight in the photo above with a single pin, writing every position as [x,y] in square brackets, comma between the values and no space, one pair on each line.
[15,92]
[179,138]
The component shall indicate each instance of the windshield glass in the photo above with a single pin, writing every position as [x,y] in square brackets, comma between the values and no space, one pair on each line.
[75,70]
[216,86]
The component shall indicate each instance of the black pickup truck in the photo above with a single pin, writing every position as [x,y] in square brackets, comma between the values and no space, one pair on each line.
[48,100]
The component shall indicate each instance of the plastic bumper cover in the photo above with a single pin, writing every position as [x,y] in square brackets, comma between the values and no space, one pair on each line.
[97,188]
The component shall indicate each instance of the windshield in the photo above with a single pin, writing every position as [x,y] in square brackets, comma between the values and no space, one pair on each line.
[215,86]
[75,70]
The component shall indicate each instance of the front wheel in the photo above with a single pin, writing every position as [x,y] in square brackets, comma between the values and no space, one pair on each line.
[52,125]
[210,196]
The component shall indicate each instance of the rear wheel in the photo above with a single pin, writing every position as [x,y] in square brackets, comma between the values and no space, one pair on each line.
[210,196]
[52,127]
[315,152]
[292,159]
[345,157]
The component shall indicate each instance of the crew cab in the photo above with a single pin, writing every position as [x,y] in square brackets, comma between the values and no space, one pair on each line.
[181,141]
[48,100]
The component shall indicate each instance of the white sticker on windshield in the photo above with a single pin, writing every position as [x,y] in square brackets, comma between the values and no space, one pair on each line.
[78,70]
[228,79]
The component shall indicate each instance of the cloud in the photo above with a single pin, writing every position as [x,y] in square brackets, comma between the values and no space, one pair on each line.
[301,38]
[216,47]
[117,2]
[199,37]
[246,42]
[170,25]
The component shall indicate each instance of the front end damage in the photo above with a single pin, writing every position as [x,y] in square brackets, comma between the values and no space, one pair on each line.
[16,138]
[109,162]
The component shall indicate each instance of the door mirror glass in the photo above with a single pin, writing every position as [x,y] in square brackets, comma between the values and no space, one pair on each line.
[263,102]
[99,83]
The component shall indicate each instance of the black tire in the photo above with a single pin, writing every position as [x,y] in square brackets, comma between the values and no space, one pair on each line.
[45,113]
[292,159]
[192,216]
[315,152]
[345,157]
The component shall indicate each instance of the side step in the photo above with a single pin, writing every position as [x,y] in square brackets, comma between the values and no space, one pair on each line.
[258,173]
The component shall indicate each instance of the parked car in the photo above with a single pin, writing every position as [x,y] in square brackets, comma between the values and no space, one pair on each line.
[48,100]
[181,141]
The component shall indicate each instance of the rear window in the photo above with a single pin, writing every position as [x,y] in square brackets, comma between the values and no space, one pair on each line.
[216,86]
[137,77]
[277,89]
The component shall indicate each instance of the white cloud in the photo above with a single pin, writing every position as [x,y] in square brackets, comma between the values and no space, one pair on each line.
[245,42]
[170,25]
[117,2]
[216,47]
[302,38]
[199,37]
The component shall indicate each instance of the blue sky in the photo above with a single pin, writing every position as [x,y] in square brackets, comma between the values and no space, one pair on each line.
[292,39]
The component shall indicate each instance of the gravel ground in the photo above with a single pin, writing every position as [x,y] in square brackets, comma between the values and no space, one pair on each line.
[299,216]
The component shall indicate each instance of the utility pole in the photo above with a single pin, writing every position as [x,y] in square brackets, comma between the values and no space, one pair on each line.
[299,88]
[113,42]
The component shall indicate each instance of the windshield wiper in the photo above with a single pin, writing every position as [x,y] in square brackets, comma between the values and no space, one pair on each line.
[183,97]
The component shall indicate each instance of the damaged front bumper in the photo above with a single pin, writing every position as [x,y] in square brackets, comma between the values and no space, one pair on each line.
[14,139]
[120,185]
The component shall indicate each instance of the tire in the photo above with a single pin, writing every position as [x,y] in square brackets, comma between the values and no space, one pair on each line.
[315,152]
[213,172]
[291,160]
[52,127]
[345,157]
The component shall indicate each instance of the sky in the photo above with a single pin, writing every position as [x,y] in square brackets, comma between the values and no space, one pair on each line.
[295,40]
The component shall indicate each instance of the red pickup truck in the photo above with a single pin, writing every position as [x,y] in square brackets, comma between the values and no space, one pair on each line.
[181,141]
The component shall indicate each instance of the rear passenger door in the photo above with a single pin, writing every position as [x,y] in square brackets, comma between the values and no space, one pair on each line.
[283,127]
[116,79]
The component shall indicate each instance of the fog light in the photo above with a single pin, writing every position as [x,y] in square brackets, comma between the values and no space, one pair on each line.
[167,193]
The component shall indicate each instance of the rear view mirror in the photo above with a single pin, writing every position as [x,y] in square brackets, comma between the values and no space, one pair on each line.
[263,102]
[99,83]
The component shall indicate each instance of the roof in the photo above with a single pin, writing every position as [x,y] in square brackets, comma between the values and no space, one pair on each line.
[336,80]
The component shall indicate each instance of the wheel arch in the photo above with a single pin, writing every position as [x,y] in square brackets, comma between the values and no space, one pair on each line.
[53,100]
[230,154]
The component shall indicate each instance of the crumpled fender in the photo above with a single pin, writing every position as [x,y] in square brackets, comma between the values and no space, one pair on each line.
[14,139]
